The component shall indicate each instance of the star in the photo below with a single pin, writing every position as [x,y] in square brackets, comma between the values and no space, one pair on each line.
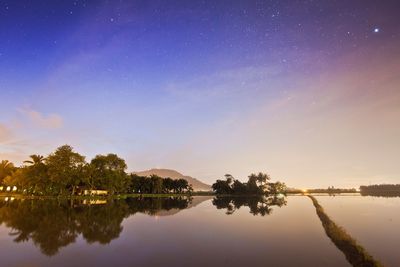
[376,30]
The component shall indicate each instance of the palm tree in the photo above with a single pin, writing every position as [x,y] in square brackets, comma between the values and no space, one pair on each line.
[36,179]
[262,178]
[6,169]
[229,178]
[35,160]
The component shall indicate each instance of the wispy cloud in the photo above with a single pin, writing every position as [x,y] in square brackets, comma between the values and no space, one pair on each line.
[5,134]
[38,119]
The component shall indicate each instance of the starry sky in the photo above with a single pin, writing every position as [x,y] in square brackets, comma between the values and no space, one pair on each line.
[308,91]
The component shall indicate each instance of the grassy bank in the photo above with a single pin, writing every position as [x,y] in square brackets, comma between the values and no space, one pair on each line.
[355,254]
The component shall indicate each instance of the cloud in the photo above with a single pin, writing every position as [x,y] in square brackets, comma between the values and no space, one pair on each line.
[51,121]
[5,134]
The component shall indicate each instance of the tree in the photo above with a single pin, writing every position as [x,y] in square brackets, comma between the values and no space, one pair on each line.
[277,188]
[6,169]
[35,160]
[65,169]
[252,187]
[36,176]
[182,185]
[156,184]
[168,185]
[190,189]
[257,184]
[139,184]
[18,178]
[223,187]
[229,179]
[262,179]
[109,173]
[239,187]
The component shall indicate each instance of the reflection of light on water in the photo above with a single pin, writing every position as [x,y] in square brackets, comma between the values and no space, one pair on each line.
[94,202]
[156,217]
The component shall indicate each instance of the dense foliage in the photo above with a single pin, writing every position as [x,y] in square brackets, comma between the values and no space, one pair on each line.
[380,190]
[257,184]
[380,187]
[66,172]
[158,185]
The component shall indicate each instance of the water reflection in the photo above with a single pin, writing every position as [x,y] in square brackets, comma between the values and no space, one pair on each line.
[52,224]
[381,194]
[258,205]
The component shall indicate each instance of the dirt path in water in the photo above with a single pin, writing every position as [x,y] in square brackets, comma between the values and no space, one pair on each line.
[355,254]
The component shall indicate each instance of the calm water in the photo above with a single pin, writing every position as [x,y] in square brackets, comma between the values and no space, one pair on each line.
[178,232]
[373,221]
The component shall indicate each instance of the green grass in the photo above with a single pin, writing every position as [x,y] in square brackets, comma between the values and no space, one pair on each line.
[355,254]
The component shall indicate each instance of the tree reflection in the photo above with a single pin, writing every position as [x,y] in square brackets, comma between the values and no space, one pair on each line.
[380,194]
[52,224]
[258,205]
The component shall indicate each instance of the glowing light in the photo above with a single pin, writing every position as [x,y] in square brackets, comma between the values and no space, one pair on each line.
[376,30]
[304,190]
[8,188]
[280,196]
[14,188]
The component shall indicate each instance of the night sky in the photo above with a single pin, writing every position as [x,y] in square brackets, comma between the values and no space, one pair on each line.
[308,91]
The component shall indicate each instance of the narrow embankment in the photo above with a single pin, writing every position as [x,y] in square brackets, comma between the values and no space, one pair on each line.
[355,254]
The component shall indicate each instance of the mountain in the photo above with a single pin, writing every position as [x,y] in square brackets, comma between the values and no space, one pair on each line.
[196,201]
[164,173]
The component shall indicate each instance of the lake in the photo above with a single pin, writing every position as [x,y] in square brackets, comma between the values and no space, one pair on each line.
[201,231]
[373,221]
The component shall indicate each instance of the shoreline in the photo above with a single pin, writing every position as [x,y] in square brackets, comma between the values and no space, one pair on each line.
[136,195]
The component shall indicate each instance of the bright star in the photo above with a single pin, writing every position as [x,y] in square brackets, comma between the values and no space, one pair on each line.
[376,30]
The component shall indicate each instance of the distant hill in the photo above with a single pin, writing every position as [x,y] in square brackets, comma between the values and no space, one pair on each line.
[196,201]
[164,173]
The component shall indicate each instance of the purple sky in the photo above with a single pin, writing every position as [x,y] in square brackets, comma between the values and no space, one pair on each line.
[308,91]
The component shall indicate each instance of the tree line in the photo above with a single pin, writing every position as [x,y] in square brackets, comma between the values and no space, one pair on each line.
[380,187]
[257,184]
[386,190]
[66,172]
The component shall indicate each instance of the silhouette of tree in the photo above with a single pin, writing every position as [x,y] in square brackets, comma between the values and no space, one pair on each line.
[257,184]
[35,160]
